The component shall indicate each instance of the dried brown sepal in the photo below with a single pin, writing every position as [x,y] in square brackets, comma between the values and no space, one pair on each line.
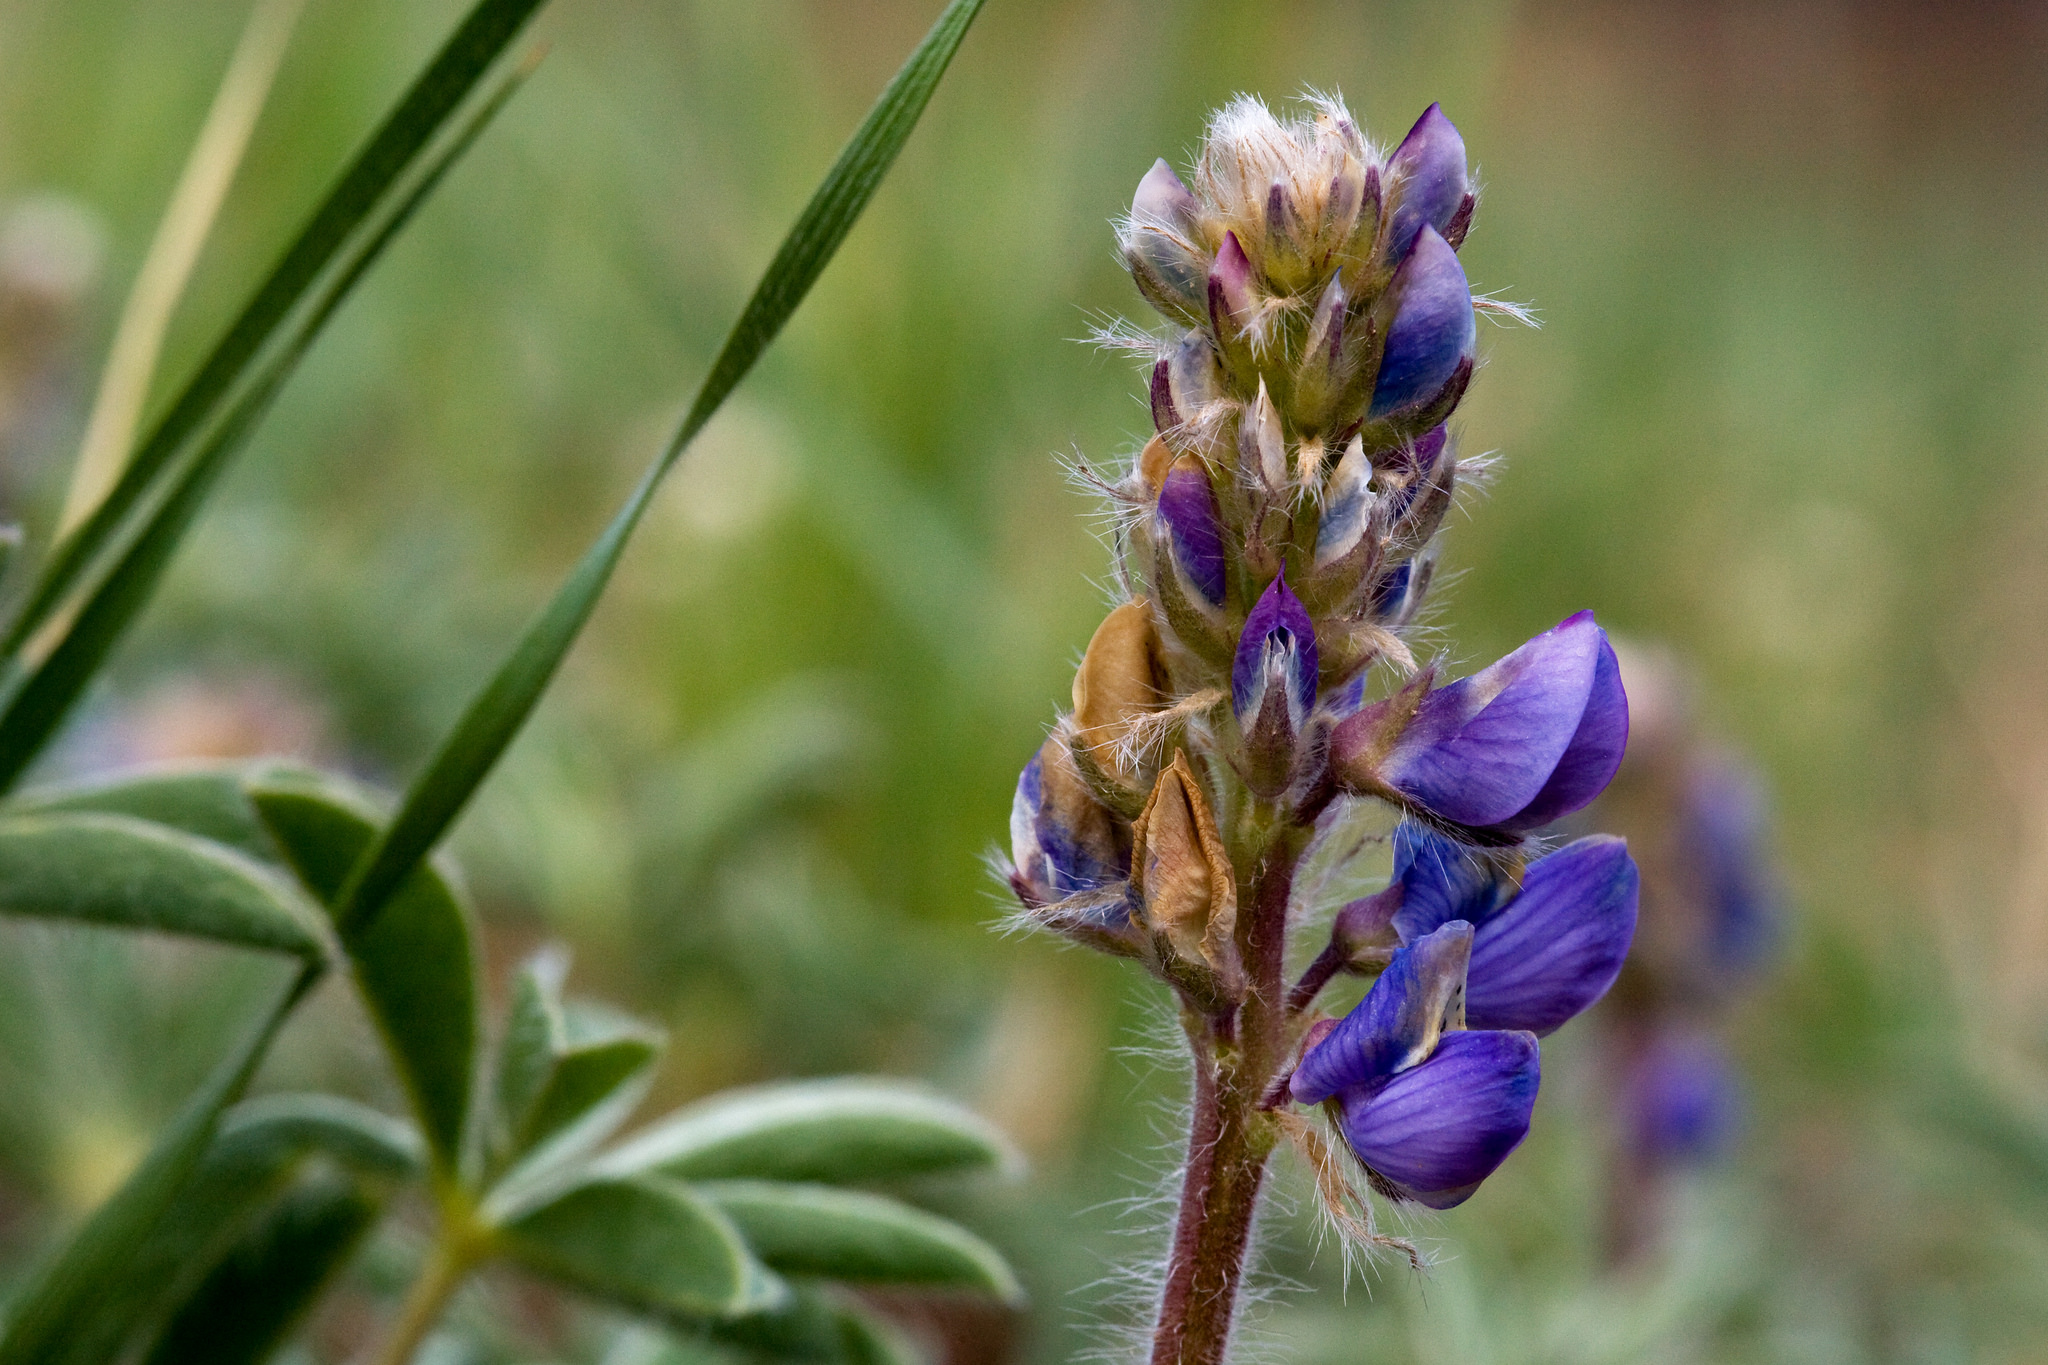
[1182,884]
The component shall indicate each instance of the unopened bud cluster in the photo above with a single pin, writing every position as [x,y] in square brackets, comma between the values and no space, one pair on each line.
[1277,534]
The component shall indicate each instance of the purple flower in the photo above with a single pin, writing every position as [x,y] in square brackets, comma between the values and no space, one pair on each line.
[1429,1108]
[1276,657]
[1532,737]
[1429,170]
[1542,953]
[1684,1101]
[1724,828]
[1434,331]
[1194,524]
[1273,685]
[1062,841]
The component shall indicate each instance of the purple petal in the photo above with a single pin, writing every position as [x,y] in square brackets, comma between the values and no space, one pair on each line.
[1433,331]
[1684,1099]
[1278,629]
[1438,1130]
[1390,592]
[1725,830]
[1441,880]
[1397,1025]
[1164,416]
[1187,504]
[1162,198]
[1556,947]
[1061,841]
[1480,750]
[1590,760]
[1429,167]
[1230,285]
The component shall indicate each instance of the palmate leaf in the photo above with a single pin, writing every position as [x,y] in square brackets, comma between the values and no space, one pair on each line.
[37,706]
[854,1236]
[833,1132]
[120,871]
[415,967]
[363,192]
[647,1243]
[270,1276]
[815,1327]
[567,1073]
[62,1317]
[498,711]
[206,799]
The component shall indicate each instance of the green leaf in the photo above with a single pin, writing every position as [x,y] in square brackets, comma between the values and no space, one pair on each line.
[850,1235]
[816,1328]
[498,711]
[565,1066]
[37,707]
[270,1277]
[835,1132]
[416,966]
[203,799]
[357,198]
[62,1318]
[645,1242]
[276,1128]
[121,871]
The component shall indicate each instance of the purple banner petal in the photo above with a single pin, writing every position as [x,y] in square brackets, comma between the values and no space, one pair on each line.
[1441,880]
[1593,756]
[1429,167]
[1481,749]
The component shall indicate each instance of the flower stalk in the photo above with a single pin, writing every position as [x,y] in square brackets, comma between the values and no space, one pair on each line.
[1279,532]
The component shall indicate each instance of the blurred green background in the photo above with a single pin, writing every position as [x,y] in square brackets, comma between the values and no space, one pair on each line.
[1787,413]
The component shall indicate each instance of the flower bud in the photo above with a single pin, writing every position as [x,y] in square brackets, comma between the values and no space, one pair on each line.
[1320,374]
[1232,303]
[1434,330]
[1262,444]
[1063,842]
[1273,685]
[1182,883]
[1121,678]
[1193,523]
[1348,506]
[1162,247]
[1428,182]
[1193,378]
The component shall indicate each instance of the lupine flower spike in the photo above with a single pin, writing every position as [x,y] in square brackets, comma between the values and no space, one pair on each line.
[1281,526]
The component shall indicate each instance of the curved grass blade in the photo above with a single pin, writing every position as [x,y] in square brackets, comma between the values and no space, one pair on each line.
[39,705]
[357,197]
[61,1309]
[127,873]
[496,713]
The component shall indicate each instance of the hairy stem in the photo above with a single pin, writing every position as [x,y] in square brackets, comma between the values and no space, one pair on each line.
[1230,1138]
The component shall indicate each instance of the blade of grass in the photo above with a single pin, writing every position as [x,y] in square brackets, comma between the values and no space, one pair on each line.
[46,1320]
[356,197]
[38,706]
[497,712]
[188,219]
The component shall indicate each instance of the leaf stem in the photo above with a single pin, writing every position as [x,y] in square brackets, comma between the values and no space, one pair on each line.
[450,1263]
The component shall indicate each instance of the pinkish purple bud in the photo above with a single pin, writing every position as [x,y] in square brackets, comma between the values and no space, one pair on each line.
[1230,288]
